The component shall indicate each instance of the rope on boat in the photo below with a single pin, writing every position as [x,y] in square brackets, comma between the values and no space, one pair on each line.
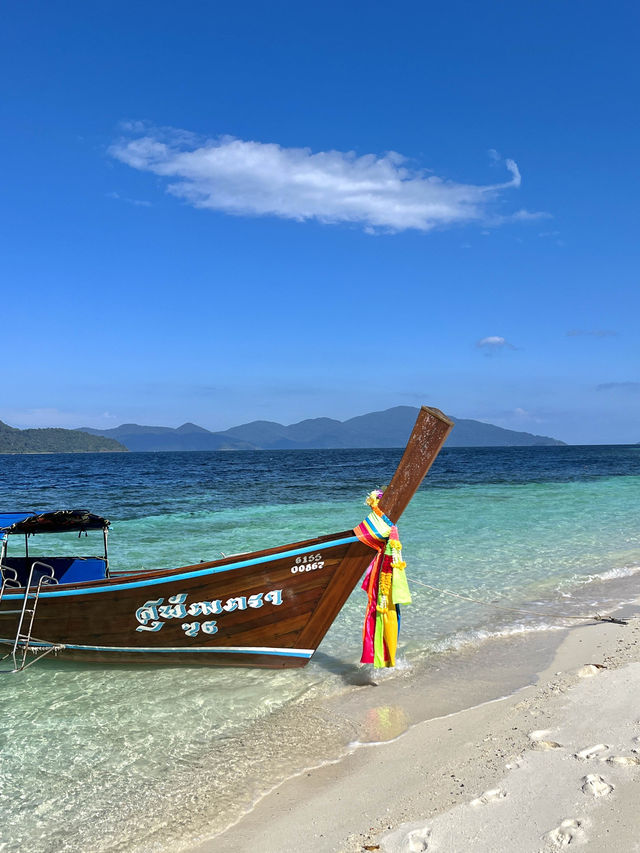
[597,617]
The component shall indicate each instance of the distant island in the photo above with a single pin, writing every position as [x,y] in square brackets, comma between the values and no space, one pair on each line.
[390,428]
[54,440]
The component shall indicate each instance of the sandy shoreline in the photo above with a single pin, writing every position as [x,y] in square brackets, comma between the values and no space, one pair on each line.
[550,764]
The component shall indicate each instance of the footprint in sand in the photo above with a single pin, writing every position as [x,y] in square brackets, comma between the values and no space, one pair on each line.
[624,760]
[589,670]
[416,841]
[591,751]
[407,838]
[568,831]
[596,785]
[539,734]
[539,741]
[489,796]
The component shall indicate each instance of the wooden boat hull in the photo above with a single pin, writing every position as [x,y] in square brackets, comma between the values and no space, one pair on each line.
[270,608]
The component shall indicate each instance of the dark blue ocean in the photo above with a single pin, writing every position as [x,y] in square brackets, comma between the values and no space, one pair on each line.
[134,759]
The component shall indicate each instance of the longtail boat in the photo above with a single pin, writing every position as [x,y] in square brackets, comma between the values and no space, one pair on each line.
[267,608]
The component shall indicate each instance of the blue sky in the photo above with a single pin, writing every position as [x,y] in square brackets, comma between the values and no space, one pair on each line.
[279,211]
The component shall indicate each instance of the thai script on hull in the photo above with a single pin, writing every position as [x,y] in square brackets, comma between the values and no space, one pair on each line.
[153,614]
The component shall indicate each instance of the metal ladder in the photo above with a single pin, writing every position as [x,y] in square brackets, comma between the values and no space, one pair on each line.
[23,641]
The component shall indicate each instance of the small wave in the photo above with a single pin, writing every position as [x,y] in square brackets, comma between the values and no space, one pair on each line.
[465,639]
[623,572]
[598,577]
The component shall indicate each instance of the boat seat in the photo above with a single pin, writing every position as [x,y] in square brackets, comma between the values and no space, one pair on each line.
[65,569]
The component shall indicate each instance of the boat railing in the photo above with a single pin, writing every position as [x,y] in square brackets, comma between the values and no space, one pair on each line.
[24,641]
[9,578]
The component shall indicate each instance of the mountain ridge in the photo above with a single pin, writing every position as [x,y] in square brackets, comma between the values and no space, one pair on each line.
[387,428]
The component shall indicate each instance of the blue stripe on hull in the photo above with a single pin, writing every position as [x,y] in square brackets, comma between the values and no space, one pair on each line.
[239,650]
[198,573]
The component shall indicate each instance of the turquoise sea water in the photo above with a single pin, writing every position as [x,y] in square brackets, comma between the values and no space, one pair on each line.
[150,758]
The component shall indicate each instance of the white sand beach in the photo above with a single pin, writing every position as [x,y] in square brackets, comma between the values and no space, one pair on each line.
[553,764]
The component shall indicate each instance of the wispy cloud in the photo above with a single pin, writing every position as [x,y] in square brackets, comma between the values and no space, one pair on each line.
[518,216]
[554,236]
[529,216]
[526,415]
[514,418]
[593,333]
[377,192]
[135,201]
[632,387]
[494,344]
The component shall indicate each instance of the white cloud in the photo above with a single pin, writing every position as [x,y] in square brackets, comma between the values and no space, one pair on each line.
[525,415]
[265,179]
[492,341]
[494,344]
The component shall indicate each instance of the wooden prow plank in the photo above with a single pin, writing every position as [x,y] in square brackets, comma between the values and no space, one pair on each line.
[429,434]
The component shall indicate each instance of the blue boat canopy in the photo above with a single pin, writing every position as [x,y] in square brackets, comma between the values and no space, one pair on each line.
[8,519]
[60,521]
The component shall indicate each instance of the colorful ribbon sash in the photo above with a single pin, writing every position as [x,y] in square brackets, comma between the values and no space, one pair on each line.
[385,584]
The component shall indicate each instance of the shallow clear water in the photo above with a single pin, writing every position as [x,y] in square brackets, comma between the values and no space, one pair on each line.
[135,758]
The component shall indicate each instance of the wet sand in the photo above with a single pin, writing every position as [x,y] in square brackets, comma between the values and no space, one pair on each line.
[528,744]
